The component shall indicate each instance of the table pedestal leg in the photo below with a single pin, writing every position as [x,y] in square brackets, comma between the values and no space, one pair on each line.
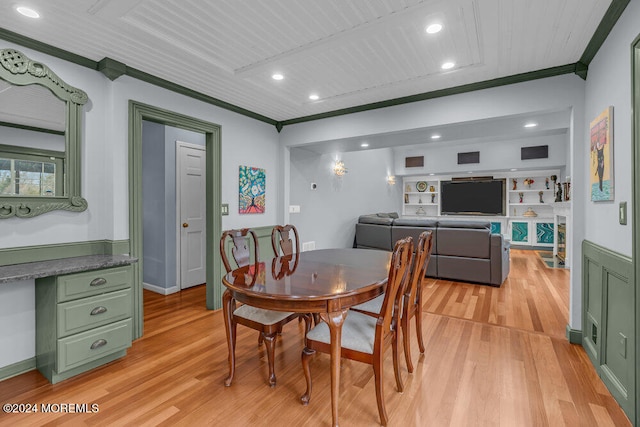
[335,321]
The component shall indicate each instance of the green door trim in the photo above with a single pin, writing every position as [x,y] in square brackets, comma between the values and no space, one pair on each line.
[635,153]
[139,112]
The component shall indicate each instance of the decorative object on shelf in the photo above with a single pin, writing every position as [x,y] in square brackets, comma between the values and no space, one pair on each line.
[433,198]
[515,183]
[420,200]
[546,183]
[554,178]
[521,195]
[407,188]
[528,182]
[432,188]
[339,169]
[541,193]
[601,169]
[391,180]
[421,186]
[420,211]
[567,191]
[530,213]
[252,190]
[559,193]
[406,198]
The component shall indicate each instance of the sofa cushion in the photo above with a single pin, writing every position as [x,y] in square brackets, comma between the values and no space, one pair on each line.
[464,269]
[375,219]
[373,236]
[416,222]
[464,224]
[464,242]
[393,215]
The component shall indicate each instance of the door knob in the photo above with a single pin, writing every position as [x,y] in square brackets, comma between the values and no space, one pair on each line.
[185,225]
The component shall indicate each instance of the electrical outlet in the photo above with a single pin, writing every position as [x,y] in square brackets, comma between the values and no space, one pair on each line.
[294,208]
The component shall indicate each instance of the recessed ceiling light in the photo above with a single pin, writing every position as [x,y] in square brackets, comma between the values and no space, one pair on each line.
[435,136]
[277,76]
[431,174]
[314,97]
[470,172]
[513,169]
[29,13]
[364,145]
[434,28]
[448,65]
[531,125]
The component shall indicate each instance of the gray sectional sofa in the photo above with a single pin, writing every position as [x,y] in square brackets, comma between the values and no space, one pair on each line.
[462,250]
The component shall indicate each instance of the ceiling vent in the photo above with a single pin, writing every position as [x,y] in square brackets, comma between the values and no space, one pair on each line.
[414,162]
[469,158]
[536,152]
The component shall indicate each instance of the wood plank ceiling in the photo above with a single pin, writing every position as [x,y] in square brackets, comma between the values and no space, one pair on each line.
[348,52]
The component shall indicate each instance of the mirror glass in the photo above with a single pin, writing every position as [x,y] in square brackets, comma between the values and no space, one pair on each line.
[32,141]
[40,139]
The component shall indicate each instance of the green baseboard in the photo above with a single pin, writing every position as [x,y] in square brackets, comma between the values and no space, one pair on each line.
[23,254]
[574,335]
[17,368]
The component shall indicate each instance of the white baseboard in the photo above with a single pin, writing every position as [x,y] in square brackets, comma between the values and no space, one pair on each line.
[160,289]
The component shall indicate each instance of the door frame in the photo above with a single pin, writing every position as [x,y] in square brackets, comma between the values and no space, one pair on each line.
[178,183]
[139,112]
[635,155]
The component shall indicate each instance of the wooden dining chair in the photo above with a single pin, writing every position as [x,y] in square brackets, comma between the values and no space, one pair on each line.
[365,338]
[412,299]
[281,241]
[267,322]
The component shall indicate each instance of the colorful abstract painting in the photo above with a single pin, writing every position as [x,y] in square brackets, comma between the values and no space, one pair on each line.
[252,190]
[601,169]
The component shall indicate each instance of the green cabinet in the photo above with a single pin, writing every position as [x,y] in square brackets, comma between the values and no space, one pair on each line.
[83,320]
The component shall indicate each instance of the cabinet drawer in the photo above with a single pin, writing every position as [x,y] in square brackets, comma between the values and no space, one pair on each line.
[81,285]
[86,313]
[85,347]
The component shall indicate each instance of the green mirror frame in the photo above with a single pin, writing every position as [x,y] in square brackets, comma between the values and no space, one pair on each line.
[18,69]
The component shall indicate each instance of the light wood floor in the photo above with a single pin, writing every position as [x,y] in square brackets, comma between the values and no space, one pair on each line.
[495,356]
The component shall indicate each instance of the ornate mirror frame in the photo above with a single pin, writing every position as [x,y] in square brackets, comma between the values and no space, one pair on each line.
[18,69]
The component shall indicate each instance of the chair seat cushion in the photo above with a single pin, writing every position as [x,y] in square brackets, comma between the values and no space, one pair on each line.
[371,306]
[358,332]
[260,315]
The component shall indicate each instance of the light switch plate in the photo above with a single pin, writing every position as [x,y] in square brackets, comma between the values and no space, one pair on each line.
[622,213]
[225,209]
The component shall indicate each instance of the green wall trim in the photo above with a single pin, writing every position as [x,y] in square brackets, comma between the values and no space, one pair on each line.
[607,23]
[31,128]
[23,254]
[139,112]
[17,368]
[608,320]
[635,156]
[112,68]
[574,336]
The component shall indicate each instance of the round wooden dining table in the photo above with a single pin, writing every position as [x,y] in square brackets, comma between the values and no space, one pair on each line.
[327,282]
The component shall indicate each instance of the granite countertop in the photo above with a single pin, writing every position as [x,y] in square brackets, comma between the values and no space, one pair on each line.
[55,267]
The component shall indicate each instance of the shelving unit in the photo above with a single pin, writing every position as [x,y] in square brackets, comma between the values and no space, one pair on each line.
[421,203]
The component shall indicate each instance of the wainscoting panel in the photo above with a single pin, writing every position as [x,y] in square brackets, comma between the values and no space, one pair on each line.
[609,321]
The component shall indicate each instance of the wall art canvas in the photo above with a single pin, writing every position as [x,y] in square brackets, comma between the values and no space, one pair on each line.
[252,190]
[601,162]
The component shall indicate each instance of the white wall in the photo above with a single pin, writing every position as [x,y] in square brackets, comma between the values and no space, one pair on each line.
[609,83]
[245,141]
[550,94]
[328,213]
[442,158]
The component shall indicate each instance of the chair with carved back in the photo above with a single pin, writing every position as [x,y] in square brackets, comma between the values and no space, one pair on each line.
[412,300]
[267,322]
[281,241]
[365,338]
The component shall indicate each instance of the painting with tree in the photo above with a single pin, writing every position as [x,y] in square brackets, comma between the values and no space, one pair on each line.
[252,190]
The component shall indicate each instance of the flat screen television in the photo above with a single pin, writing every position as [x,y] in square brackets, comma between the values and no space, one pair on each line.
[486,197]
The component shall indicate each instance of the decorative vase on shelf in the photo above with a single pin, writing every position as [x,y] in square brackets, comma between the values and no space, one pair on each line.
[408,188]
[540,193]
[432,188]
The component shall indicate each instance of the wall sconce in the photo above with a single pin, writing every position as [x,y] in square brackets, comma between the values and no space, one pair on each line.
[338,168]
[391,180]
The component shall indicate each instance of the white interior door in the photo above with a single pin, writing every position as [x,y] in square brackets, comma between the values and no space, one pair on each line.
[191,200]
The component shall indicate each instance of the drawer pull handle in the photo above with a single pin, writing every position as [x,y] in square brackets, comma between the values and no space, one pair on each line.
[98,310]
[98,282]
[98,343]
